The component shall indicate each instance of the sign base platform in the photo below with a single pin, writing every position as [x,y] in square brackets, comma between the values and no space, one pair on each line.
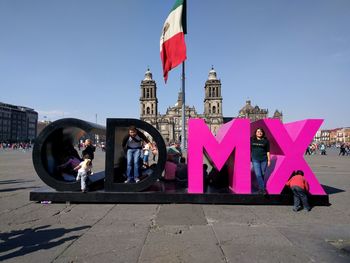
[170,192]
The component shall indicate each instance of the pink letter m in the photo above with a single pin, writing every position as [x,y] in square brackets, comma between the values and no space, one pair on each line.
[232,139]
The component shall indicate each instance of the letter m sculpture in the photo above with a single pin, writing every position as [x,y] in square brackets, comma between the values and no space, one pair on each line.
[232,140]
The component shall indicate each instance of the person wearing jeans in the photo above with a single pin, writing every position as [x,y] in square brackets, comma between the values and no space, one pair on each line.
[260,156]
[260,170]
[133,146]
[300,189]
[133,157]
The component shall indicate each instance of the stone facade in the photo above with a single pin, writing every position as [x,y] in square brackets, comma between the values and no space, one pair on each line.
[17,123]
[170,123]
[343,135]
[255,113]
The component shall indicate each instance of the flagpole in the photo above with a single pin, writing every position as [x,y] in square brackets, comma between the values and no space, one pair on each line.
[183,130]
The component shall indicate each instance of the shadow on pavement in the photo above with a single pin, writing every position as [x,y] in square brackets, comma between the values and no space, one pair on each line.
[17,188]
[30,240]
[332,190]
[19,181]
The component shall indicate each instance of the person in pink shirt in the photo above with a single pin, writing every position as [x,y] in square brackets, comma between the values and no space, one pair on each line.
[169,170]
[300,188]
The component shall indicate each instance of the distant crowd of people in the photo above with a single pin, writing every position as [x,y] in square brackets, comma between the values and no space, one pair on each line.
[344,149]
[15,146]
[321,148]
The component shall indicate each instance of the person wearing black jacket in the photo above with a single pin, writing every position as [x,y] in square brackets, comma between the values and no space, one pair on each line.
[132,144]
[89,150]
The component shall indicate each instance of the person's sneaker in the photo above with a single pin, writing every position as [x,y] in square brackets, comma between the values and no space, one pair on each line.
[137,180]
[262,192]
[307,209]
[296,209]
[127,181]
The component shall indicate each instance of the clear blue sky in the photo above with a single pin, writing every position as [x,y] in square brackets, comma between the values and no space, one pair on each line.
[80,58]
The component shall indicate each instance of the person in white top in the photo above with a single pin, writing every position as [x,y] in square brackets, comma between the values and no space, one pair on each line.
[146,148]
[84,169]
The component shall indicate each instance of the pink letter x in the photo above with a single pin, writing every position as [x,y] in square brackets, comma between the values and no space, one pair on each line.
[288,144]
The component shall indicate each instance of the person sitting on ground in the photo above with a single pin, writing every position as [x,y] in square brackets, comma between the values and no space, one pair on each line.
[300,188]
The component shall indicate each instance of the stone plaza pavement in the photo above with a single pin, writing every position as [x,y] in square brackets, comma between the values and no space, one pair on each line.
[34,232]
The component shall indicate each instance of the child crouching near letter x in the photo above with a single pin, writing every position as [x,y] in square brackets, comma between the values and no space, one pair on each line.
[300,188]
[84,169]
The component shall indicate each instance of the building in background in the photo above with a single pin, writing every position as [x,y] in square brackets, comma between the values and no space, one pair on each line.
[17,123]
[333,136]
[170,123]
[41,125]
[325,137]
[343,135]
[255,113]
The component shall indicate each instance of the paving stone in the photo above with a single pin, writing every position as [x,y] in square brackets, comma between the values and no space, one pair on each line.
[257,244]
[182,244]
[33,232]
[184,214]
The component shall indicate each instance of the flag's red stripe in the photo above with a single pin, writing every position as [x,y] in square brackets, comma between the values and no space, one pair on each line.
[173,53]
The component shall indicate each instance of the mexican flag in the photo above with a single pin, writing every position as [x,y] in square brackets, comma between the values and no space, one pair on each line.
[172,40]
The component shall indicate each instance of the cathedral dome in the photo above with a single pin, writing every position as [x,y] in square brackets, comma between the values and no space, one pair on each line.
[277,114]
[248,107]
[148,75]
[212,74]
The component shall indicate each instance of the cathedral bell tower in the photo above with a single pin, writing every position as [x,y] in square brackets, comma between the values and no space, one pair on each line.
[148,99]
[213,102]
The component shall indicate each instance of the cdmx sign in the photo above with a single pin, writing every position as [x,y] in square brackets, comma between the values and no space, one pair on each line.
[231,146]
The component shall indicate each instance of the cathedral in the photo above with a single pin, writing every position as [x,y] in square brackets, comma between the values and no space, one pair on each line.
[170,123]
[255,113]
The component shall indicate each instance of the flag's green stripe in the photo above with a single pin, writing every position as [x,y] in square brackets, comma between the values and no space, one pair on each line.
[184,13]
[177,4]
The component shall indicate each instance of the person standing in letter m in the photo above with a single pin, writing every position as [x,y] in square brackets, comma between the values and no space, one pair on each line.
[132,143]
[260,148]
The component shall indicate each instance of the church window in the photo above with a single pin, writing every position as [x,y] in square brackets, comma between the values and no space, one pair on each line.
[214,109]
[147,93]
[148,110]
